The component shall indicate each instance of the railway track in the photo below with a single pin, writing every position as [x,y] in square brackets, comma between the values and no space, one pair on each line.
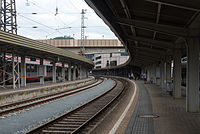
[73,121]
[21,105]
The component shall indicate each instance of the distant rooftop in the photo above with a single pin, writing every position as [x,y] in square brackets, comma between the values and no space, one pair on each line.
[63,38]
[88,43]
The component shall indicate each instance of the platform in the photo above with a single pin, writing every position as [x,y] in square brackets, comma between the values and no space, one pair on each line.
[172,116]
[35,89]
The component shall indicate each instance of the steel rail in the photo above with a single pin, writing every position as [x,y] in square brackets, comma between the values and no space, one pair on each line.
[14,107]
[74,120]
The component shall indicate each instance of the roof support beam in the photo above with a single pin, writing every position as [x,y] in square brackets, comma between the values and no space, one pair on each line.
[170,30]
[140,63]
[150,55]
[173,5]
[128,15]
[141,60]
[147,58]
[160,52]
[157,19]
[160,44]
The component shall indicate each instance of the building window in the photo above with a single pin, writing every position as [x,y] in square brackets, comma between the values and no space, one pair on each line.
[107,64]
[90,56]
[98,67]
[99,62]
[113,63]
[124,54]
[99,57]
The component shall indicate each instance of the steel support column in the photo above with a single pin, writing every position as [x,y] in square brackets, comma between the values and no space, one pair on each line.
[69,72]
[74,73]
[4,69]
[15,71]
[63,72]
[23,71]
[87,73]
[54,72]
[41,71]
[78,69]
[84,72]
[45,70]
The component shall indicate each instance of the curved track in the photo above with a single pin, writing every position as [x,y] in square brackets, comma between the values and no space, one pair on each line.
[17,106]
[75,120]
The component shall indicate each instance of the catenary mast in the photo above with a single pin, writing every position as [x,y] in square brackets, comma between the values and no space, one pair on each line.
[8,21]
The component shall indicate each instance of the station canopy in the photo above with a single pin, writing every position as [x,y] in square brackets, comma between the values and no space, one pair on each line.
[19,45]
[150,29]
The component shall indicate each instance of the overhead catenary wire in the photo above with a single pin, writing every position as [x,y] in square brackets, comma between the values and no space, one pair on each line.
[60,12]
[52,13]
[40,24]
[61,21]
[60,28]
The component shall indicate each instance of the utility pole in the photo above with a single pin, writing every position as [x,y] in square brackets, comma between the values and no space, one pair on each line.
[8,16]
[82,32]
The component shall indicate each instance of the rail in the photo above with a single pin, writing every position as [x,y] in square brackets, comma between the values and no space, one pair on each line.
[73,121]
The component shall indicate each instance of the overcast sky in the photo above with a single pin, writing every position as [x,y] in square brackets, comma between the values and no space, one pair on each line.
[67,22]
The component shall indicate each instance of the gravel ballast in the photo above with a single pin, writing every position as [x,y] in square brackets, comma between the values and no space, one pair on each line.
[23,121]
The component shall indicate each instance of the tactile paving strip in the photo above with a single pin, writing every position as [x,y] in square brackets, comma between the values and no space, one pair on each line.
[138,125]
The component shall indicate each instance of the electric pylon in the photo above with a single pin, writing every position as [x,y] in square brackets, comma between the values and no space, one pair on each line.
[82,32]
[8,22]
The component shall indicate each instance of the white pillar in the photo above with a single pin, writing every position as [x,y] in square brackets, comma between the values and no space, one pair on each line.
[74,73]
[154,73]
[78,69]
[87,73]
[158,74]
[148,74]
[162,74]
[23,71]
[45,70]
[41,71]
[69,72]
[63,72]
[54,72]
[151,74]
[81,72]
[168,75]
[177,74]
[192,96]
[84,72]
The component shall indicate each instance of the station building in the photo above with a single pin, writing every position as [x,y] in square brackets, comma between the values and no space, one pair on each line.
[103,52]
